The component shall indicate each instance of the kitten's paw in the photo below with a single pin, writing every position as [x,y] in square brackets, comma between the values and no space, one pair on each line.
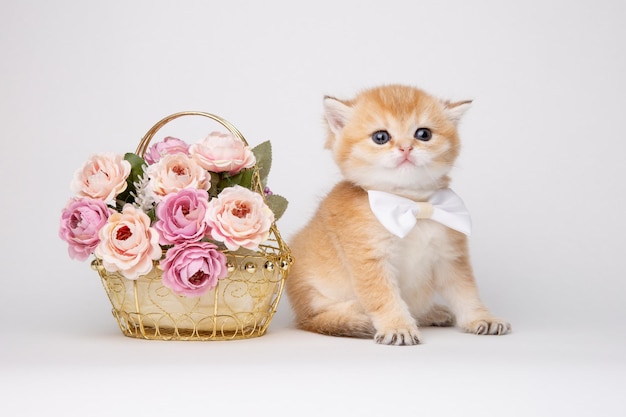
[492,326]
[398,337]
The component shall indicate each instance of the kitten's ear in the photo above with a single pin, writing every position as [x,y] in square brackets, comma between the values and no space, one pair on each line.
[337,114]
[456,110]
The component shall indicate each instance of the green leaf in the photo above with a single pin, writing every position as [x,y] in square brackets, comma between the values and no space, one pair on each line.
[278,204]
[137,165]
[243,178]
[263,155]
[215,181]
[152,214]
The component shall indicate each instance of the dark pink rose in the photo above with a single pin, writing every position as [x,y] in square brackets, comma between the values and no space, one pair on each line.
[167,146]
[182,216]
[194,268]
[81,221]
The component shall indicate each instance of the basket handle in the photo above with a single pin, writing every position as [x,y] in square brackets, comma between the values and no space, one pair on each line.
[145,141]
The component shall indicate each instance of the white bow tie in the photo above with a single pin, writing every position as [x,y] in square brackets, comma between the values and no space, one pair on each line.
[399,215]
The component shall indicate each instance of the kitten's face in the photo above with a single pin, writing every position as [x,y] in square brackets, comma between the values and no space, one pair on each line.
[394,138]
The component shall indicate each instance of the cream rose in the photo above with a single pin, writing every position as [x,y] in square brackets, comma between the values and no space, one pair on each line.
[222,152]
[176,172]
[128,244]
[102,177]
[239,217]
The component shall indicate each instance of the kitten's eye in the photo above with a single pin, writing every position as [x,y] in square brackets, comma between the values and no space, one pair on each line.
[423,134]
[381,137]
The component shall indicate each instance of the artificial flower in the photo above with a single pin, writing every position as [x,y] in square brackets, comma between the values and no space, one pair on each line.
[193,268]
[167,146]
[187,202]
[128,244]
[174,172]
[239,217]
[182,216]
[222,152]
[102,177]
[81,221]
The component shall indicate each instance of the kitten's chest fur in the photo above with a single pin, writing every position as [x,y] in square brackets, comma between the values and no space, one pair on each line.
[412,260]
[416,257]
[346,235]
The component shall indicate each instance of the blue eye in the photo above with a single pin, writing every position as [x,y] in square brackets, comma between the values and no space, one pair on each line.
[423,134]
[381,137]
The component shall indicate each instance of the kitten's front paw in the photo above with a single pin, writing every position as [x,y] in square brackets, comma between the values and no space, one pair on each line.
[487,326]
[398,337]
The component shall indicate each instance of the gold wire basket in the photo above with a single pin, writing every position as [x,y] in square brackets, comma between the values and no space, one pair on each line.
[242,304]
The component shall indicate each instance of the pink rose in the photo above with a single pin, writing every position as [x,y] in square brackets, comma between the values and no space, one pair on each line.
[102,177]
[182,216]
[81,220]
[175,172]
[128,244]
[221,152]
[194,268]
[239,218]
[167,146]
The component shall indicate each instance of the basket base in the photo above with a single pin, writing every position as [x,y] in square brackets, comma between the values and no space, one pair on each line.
[135,326]
[241,306]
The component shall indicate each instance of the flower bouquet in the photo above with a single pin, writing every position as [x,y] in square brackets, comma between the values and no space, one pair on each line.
[183,235]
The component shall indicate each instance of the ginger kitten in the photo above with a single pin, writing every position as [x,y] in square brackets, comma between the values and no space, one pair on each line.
[352,276]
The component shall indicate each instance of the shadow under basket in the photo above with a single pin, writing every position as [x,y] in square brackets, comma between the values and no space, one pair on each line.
[241,306]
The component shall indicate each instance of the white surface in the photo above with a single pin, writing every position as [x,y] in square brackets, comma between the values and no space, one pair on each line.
[542,171]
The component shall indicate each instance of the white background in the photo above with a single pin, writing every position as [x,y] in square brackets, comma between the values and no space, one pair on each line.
[542,171]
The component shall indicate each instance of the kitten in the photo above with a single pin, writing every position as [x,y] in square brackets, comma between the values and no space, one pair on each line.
[354,278]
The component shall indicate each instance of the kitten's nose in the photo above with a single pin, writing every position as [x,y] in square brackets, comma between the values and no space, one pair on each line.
[406,149]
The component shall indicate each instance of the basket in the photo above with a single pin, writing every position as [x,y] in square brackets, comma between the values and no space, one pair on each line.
[240,306]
